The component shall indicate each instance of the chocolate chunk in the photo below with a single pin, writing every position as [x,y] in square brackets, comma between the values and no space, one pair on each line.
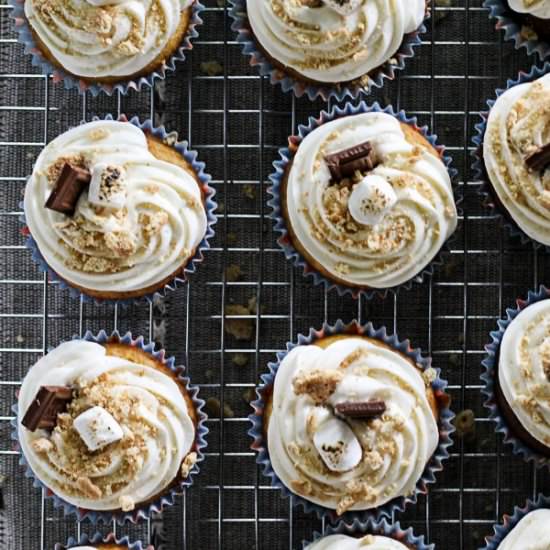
[366,409]
[48,403]
[312,3]
[539,160]
[343,164]
[69,186]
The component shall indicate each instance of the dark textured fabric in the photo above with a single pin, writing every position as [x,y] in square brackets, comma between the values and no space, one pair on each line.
[236,123]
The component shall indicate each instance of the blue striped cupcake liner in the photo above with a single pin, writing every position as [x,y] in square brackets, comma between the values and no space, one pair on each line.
[70,81]
[98,538]
[490,365]
[288,83]
[511,23]
[435,464]
[501,530]
[371,527]
[287,154]
[487,195]
[189,269]
[141,512]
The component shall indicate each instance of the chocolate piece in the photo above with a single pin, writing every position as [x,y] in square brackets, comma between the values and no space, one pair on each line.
[312,3]
[343,164]
[48,403]
[539,160]
[366,409]
[71,182]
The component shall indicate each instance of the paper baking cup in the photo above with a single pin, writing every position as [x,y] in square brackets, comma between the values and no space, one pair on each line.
[71,81]
[98,538]
[191,266]
[142,511]
[490,365]
[509,522]
[245,37]
[511,23]
[487,194]
[445,422]
[371,527]
[286,155]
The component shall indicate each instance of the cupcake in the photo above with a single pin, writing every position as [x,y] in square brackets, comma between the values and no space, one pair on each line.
[329,47]
[374,535]
[109,427]
[526,528]
[527,22]
[363,200]
[518,377]
[98,542]
[351,421]
[102,44]
[115,212]
[515,155]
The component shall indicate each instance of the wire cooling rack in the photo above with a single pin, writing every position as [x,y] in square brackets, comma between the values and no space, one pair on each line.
[236,121]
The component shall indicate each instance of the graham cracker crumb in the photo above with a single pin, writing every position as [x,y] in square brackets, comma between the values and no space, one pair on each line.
[318,384]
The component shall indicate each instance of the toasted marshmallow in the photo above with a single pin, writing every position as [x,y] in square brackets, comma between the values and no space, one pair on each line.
[97,428]
[335,442]
[371,199]
[107,187]
[343,7]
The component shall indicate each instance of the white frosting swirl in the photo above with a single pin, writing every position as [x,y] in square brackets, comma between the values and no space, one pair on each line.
[152,237]
[327,46]
[518,125]
[148,404]
[524,369]
[531,533]
[538,8]
[82,548]
[409,236]
[343,542]
[395,447]
[105,38]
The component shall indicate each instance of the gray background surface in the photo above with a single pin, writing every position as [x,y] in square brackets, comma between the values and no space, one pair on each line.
[236,121]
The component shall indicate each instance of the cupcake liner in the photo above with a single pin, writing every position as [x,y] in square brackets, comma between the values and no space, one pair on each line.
[98,538]
[509,522]
[488,196]
[142,511]
[511,23]
[245,37]
[490,364]
[287,153]
[70,81]
[435,464]
[372,527]
[190,268]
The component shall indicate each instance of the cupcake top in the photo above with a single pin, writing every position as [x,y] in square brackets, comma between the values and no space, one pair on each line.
[105,38]
[515,144]
[538,8]
[524,369]
[137,220]
[351,426]
[343,542]
[383,224]
[333,40]
[530,533]
[123,433]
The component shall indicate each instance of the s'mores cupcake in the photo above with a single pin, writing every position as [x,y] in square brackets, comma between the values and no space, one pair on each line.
[118,210]
[351,422]
[514,156]
[526,22]
[363,200]
[327,48]
[109,427]
[107,44]
[517,377]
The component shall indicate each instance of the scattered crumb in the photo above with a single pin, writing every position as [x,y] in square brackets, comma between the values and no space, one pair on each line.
[240,329]
[249,395]
[213,408]
[465,424]
[126,503]
[19,339]
[231,239]
[211,68]
[249,191]
[233,273]
[239,359]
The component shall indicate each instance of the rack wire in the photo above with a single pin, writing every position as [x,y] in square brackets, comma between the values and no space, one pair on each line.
[236,121]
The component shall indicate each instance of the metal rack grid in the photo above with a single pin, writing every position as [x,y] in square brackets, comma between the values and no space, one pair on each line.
[236,121]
